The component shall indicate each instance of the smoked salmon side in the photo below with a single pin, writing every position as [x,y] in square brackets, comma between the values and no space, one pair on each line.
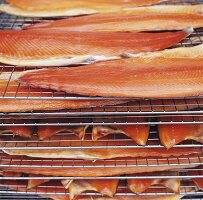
[23,105]
[106,187]
[176,76]
[91,154]
[140,185]
[51,8]
[94,19]
[172,134]
[59,48]
[125,21]
[98,168]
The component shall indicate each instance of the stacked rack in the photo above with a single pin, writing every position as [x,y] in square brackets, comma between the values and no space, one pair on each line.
[138,112]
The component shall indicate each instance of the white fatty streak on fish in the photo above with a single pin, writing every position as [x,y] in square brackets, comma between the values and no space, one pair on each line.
[166,9]
[23,13]
[56,61]
[190,52]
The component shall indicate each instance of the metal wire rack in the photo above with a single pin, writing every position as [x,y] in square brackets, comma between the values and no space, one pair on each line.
[155,112]
[150,120]
[182,174]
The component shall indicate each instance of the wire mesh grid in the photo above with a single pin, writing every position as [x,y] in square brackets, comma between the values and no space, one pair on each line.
[182,174]
[146,107]
[103,120]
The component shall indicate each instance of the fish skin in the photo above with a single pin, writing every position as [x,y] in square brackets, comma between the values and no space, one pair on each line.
[115,22]
[140,185]
[59,48]
[50,8]
[104,187]
[133,77]
[23,105]
[172,134]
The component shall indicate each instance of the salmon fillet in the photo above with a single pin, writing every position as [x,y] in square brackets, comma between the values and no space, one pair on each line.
[198,181]
[45,132]
[98,168]
[10,174]
[163,17]
[33,183]
[139,133]
[51,8]
[22,105]
[90,153]
[59,48]
[172,134]
[23,131]
[140,185]
[106,187]
[18,105]
[134,77]
[148,197]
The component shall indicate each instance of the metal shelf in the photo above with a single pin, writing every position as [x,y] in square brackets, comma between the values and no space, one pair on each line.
[155,112]
[182,174]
